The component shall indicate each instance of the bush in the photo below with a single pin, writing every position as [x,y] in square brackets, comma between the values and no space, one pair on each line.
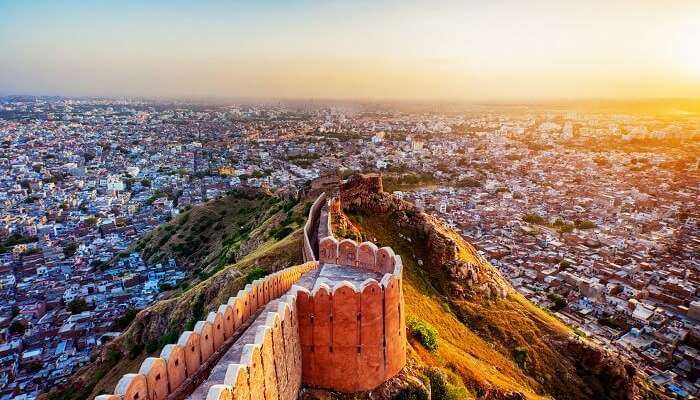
[281,233]
[412,392]
[534,219]
[520,355]
[152,346]
[113,356]
[424,333]
[580,333]
[444,386]
[134,349]
[77,306]
[558,300]
[256,273]
[18,327]
[70,249]
[584,224]
[123,322]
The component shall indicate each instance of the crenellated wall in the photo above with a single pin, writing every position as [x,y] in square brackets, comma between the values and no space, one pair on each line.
[161,377]
[337,323]
[352,338]
[269,362]
[311,228]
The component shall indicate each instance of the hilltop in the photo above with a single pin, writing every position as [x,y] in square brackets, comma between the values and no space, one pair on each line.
[241,237]
[471,335]
[490,340]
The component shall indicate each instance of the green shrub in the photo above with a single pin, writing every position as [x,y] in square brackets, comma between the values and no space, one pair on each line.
[152,346]
[412,392]
[135,349]
[256,273]
[558,300]
[168,338]
[113,356]
[424,333]
[123,322]
[281,233]
[78,305]
[580,333]
[520,355]
[445,386]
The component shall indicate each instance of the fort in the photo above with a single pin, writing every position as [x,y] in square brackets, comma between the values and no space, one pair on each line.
[335,322]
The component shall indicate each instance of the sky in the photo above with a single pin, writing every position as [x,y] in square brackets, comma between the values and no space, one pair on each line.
[403,50]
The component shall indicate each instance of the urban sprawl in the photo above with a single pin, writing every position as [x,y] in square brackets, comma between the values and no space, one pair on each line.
[593,216]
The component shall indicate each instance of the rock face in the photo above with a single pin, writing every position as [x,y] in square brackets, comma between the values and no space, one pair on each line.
[467,276]
[617,379]
[467,273]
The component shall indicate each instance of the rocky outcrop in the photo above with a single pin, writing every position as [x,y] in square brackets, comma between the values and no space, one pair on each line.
[454,263]
[466,273]
[616,379]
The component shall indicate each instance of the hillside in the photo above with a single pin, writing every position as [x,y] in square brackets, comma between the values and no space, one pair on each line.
[490,343]
[217,233]
[491,340]
[256,231]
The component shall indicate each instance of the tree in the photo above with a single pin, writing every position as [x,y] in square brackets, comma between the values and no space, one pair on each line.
[584,224]
[70,249]
[78,305]
[558,300]
[18,327]
[91,221]
[145,182]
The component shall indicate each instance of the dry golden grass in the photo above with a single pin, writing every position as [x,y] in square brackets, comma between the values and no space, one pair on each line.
[478,336]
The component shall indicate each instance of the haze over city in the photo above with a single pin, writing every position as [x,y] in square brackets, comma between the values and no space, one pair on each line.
[495,50]
[366,200]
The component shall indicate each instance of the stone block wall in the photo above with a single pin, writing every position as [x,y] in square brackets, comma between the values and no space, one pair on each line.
[270,362]
[161,376]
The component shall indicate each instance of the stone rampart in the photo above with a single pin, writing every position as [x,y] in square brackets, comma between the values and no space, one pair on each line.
[162,377]
[311,228]
[340,328]
[364,255]
[352,338]
[265,363]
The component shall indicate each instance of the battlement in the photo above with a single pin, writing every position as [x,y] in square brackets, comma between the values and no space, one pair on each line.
[180,365]
[336,322]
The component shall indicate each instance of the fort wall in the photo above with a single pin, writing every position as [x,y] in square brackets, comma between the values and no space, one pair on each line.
[311,228]
[162,377]
[278,334]
[353,337]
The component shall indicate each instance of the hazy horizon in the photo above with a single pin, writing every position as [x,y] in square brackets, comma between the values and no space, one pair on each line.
[500,51]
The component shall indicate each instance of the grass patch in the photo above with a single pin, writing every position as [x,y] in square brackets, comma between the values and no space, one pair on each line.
[424,333]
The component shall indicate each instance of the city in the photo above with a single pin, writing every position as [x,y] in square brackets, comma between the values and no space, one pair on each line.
[607,240]
[366,200]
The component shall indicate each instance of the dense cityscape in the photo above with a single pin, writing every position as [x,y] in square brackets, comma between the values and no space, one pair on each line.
[594,216]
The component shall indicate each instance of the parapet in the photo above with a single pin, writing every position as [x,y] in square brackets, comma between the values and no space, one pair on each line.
[270,361]
[352,338]
[161,376]
[353,335]
[311,228]
[365,255]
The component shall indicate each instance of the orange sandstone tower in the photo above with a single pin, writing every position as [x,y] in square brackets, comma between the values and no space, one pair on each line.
[335,322]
